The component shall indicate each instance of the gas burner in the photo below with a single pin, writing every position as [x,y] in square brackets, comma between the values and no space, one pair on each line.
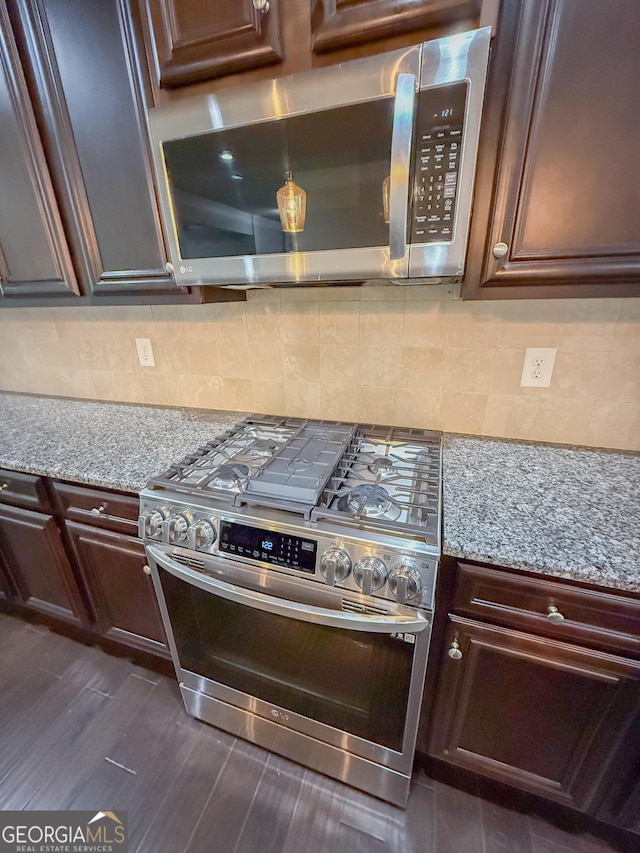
[229,476]
[382,467]
[369,501]
[264,446]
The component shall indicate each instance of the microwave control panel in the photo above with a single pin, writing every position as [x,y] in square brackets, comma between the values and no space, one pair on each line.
[439,145]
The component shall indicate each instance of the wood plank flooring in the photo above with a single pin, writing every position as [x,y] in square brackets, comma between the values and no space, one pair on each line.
[85,730]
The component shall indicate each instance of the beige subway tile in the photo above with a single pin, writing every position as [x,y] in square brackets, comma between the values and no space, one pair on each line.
[509,416]
[563,421]
[264,294]
[302,399]
[214,392]
[264,322]
[576,375]
[420,292]
[169,353]
[421,368]
[614,425]
[338,402]
[468,370]
[339,293]
[302,362]
[377,290]
[620,380]
[473,325]
[463,412]
[378,405]
[202,355]
[626,336]
[339,322]
[268,397]
[339,364]
[117,385]
[233,360]
[266,360]
[73,382]
[161,389]
[381,323]
[418,408]
[300,322]
[298,294]
[379,366]
[585,337]
[426,324]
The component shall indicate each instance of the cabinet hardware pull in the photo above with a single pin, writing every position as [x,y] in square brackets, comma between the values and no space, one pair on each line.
[146,570]
[500,250]
[454,651]
[554,615]
[3,486]
[261,6]
[98,510]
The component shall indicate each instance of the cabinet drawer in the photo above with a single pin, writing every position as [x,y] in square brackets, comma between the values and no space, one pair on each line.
[99,507]
[593,617]
[26,490]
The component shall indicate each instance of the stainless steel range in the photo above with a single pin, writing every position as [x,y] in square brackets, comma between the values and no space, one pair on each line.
[295,565]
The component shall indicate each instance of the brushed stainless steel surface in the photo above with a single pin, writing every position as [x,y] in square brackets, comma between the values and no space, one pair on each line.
[339,85]
[389,623]
[405,582]
[382,782]
[335,565]
[464,56]
[370,574]
[402,137]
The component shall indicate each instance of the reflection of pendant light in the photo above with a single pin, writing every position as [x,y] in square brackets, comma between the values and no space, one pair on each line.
[386,190]
[292,206]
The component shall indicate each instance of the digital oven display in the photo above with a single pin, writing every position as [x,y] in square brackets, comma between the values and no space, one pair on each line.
[280,549]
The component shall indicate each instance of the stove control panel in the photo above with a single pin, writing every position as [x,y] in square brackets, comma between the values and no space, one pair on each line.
[351,563]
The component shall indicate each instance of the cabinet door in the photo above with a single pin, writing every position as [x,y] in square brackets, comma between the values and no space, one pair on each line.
[561,201]
[34,257]
[340,23]
[541,715]
[194,41]
[86,78]
[121,593]
[33,556]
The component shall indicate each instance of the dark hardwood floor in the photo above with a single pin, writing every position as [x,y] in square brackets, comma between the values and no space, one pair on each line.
[85,730]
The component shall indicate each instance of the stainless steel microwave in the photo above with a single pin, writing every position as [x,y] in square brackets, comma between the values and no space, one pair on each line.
[357,171]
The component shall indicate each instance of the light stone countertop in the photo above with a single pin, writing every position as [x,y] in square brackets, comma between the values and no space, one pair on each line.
[565,511]
[116,445]
[560,511]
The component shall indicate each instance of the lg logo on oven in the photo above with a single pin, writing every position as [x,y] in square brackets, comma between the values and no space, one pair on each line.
[278,715]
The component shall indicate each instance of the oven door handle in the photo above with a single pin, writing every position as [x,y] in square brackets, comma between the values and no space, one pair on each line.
[410,624]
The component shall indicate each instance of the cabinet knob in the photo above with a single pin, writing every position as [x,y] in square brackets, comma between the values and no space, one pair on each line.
[3,486]
[554,615]
[98,510]
[454,651]
[500,250]
[146,570]
[261,6]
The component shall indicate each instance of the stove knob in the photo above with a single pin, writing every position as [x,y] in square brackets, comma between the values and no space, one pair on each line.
[370,574]
[335,566]
[201,535]
[150,524]
[405,582]
[174,530]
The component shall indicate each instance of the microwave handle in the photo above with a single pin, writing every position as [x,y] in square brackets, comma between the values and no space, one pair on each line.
[401,138]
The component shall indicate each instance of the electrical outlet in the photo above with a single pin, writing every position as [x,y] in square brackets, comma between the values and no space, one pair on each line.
[538,367]
[145,352]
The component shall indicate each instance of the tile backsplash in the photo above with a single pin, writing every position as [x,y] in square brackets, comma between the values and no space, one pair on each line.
[413,356]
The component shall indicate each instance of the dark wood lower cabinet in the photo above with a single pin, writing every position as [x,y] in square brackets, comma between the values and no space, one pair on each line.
[33,557]
[120,593]
[539,714]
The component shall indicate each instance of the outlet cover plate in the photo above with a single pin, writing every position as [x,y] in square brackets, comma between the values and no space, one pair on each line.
[145,352]
[538,367]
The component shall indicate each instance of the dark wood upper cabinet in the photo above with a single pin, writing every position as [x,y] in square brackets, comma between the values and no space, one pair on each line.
[192,40]
[34,257]
[544,716]
[341,23]
[89,89]
[557,195]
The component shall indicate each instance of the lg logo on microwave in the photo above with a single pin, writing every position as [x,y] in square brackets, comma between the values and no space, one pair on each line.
[184,269]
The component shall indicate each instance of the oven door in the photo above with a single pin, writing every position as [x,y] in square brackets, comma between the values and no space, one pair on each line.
[347,679]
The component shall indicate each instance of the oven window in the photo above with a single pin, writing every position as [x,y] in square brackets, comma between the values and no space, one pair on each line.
[224,183]
[355,681]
